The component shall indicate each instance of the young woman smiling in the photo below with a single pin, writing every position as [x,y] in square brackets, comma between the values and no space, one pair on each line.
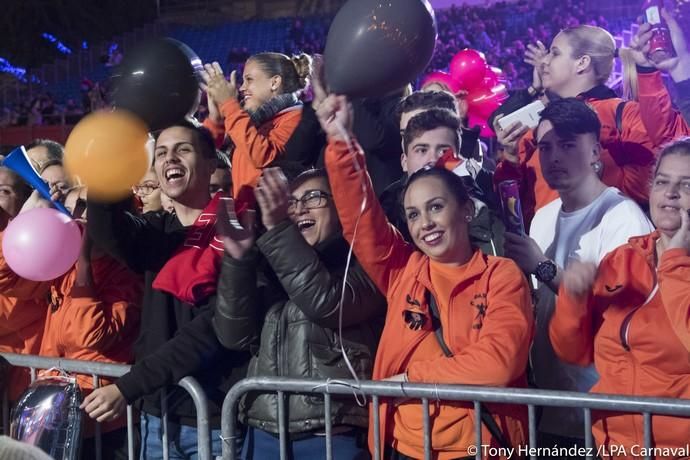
[454,315]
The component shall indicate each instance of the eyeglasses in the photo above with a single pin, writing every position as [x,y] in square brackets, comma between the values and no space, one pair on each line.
[145,188]
[312,199]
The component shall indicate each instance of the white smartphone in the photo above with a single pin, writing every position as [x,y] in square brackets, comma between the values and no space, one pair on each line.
[528,115]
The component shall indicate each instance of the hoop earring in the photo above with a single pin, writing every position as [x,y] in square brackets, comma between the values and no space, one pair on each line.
[597,166]
[468,219]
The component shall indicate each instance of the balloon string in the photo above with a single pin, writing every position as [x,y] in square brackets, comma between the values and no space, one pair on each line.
[350,146]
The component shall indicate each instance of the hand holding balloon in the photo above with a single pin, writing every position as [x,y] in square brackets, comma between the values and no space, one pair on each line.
[41,244]
[35,201]
[335,116]
[334,112]
[219,90]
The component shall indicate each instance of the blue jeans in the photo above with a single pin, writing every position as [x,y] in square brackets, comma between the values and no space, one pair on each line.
[182,440]
[260,445]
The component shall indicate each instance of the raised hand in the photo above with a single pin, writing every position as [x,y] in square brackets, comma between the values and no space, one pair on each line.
[317,82]
[534,56]
[681,239]
[678,67]
[272,194]
[579,278]
[218,89]
[335,116]
[237,235]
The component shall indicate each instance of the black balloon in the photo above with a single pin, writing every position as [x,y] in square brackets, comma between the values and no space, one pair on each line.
[157,81]
[377,46]
[47,415]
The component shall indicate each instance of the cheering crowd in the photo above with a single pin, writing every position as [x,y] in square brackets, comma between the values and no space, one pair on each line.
[230,259]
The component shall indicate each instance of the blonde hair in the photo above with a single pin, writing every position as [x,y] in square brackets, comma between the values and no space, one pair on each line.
[599,45]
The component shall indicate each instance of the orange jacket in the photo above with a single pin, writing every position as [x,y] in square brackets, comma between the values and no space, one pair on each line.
[490,321]
[255,148]
[21,329]
[627,158]
[652,360]
[22,318]
[90,324]
[663,122]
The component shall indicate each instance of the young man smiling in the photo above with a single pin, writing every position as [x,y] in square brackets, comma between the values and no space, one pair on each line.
[179,256]
[429,135]
[587,221]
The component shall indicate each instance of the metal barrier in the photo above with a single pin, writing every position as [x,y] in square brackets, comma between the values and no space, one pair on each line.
[96,369]
[426,392]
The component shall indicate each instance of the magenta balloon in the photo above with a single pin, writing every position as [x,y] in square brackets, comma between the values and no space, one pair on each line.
[498,73]
[443,79]
[490,79]
[469,67]
[482,102]
[41,244]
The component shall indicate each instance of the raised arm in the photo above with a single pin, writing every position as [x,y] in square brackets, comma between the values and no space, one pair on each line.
[379,247]
[315,288]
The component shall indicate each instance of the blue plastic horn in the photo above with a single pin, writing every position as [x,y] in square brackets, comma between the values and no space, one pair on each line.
[19,162]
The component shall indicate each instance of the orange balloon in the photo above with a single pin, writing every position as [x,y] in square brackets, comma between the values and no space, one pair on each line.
[106,151]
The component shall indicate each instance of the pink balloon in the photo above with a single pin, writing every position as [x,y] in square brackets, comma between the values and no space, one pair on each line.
[41,244]
[482,102]
[490,80]
[443,79]
[498,73]
[469,67]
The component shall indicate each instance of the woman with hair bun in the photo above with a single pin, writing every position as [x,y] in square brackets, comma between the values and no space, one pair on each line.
[260,116]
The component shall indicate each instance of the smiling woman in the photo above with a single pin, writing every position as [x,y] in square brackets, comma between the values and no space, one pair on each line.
[301,333]
[261,124]
[630,316]
[455,314]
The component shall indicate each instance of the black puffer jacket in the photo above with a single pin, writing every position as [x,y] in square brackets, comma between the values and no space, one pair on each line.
[297,336]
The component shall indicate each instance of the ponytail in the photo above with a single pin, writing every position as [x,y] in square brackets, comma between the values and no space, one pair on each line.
[630,86]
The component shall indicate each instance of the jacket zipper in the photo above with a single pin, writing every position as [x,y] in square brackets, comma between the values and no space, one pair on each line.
[625,326]
[282,347]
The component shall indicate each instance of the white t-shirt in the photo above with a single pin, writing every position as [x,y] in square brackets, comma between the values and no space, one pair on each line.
[587,234]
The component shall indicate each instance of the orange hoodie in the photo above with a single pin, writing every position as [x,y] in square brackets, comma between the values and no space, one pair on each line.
[488,323]
[21,329]
[255,147]
[22,318]
[627,158]
[638,339]
[90,324]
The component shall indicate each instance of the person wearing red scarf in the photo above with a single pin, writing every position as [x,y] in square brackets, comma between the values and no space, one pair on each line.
[179,255]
